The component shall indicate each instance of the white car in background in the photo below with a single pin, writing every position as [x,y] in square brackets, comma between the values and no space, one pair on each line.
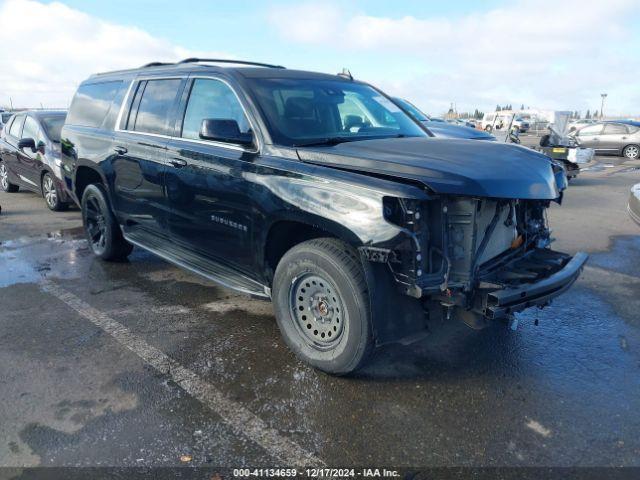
[501,120]
[578,124]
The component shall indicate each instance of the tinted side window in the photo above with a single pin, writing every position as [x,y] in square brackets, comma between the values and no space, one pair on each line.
[16,126]
[92,103]
[212,99]
[590,130]
[614,129]
[156,102]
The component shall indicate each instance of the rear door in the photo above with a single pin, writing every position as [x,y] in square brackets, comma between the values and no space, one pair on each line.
[208,193]
[590,136]
[613,137]
[140,150]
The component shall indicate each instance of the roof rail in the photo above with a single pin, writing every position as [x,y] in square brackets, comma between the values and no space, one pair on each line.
[155,64]
[226,60]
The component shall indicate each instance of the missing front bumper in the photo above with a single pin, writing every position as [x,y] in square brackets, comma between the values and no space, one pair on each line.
[502,302]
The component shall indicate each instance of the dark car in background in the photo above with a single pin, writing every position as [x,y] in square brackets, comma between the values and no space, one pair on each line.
[611,138]
[439,127]
[317,192]
[30,156]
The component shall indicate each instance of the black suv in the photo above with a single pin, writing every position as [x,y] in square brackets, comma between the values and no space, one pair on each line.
[317,192]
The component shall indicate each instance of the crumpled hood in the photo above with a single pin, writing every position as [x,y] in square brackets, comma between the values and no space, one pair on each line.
[447,166]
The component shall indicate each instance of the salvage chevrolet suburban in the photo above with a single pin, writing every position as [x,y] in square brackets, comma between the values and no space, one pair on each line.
[317,192]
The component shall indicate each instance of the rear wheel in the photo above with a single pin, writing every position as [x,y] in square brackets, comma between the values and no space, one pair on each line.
[51,194]
[631,151]
[101,228]
[4,180]
[322,306]
[488,128]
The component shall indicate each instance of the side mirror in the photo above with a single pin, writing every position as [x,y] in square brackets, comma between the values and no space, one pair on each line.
[224,130]
[27,143]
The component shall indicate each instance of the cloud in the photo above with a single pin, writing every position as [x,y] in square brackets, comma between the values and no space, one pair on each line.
[48,49]
[538,52]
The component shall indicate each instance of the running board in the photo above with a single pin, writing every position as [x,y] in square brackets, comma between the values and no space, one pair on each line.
[201,265]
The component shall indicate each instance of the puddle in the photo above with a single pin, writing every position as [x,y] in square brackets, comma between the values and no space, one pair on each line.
[623,256]
[28,259]
[598,167]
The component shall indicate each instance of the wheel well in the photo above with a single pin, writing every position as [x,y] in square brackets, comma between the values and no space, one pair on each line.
[42,173]
[285,235]
[85,176]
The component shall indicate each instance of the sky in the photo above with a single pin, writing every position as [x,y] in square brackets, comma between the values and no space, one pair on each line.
[547,54]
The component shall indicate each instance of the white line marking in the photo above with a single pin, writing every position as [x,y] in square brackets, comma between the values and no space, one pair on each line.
[234,414]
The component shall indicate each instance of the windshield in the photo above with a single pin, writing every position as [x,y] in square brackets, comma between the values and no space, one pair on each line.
[412,109]
[53,126]
[310,111]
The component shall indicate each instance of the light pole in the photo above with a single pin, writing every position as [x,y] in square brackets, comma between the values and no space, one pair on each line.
[603,95]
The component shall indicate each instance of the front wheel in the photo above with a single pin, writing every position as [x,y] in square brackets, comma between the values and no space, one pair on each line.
[51,194]
[4,180]
[321,301]
[631,151]
[101,228]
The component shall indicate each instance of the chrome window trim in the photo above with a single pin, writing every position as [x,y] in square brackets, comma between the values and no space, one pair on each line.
[124,102]
[228,146]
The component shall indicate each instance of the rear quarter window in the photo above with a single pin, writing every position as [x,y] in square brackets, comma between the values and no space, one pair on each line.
[93,102]
[16,126]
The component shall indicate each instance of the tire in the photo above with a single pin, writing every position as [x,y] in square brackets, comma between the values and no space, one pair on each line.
[631,151]
[488,128]
[101,228]
[321,301]
[4,180]
[51,194]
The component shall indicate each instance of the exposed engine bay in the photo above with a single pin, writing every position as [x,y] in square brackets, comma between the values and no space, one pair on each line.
[464,253]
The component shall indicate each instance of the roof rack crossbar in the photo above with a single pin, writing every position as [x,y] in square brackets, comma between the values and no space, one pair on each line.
[226,60]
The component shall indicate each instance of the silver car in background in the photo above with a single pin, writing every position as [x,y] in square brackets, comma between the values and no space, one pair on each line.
[611,138]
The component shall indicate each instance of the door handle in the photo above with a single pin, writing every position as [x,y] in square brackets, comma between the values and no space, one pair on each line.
[624,138]
[120,150]
[178,162]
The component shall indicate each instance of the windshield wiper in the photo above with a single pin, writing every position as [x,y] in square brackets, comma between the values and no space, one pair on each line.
[324,141]
[329,141]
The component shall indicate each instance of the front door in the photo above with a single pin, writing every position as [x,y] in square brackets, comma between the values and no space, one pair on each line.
[205,180]
[29,162]
[139,155]
[590,136]
[10,156]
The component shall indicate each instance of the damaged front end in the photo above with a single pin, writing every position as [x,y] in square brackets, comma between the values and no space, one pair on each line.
[476,259]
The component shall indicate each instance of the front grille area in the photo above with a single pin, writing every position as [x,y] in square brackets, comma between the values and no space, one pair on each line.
[477,230]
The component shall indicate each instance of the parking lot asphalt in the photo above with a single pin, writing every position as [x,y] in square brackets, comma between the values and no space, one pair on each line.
[143,364]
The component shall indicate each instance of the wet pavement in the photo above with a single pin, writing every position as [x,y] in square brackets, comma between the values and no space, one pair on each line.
[139,363]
